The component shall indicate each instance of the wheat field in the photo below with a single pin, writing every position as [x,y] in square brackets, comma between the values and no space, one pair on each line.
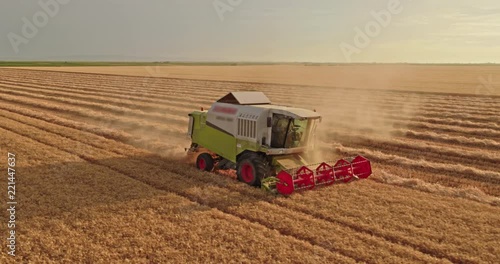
[103,176]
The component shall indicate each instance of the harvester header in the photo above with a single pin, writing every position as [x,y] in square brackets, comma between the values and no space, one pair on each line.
[266,144]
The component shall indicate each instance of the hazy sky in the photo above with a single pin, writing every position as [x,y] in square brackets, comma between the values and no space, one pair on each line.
[252,30]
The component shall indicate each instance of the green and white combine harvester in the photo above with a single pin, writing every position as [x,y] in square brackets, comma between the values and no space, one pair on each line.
[268,145]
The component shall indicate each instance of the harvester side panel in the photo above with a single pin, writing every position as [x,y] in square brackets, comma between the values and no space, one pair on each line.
[214,140]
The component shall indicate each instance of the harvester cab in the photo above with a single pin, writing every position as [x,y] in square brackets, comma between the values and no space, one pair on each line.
[268,145]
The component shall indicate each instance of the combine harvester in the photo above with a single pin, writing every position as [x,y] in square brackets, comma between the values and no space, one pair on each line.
[267,145]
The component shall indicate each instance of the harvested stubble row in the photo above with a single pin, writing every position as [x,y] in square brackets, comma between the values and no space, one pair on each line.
[160,81]
[131,106]
[420,149]
[181,109]
[107,107]
[180,128]
[453,130]
[465,191]
[133,101]
[369,221]
[93,116]
[142,115]
[492,177]
[219,191]
[456,122]
[135,82]
[432,138]
[460,140]
[125,88]
[229,202]
[110,217]
[450,173]
[12,111]
[467,135]
[74,90]
[451,180]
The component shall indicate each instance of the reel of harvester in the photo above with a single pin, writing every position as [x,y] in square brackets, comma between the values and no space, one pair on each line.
[308,177]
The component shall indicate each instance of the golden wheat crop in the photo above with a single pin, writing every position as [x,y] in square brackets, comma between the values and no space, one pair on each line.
[103,176]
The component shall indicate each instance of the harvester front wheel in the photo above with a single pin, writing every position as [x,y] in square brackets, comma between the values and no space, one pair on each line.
[251,168]
[205,162]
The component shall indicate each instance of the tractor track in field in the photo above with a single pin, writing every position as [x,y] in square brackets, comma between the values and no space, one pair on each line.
[155,164]
[202,201]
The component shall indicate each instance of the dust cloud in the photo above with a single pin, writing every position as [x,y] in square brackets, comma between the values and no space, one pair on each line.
[349,112]
[168,141]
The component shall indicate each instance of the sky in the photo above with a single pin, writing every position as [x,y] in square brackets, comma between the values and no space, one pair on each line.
[418,31]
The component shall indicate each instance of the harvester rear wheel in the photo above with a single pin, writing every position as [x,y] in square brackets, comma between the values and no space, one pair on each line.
[205,162]
[251,168]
